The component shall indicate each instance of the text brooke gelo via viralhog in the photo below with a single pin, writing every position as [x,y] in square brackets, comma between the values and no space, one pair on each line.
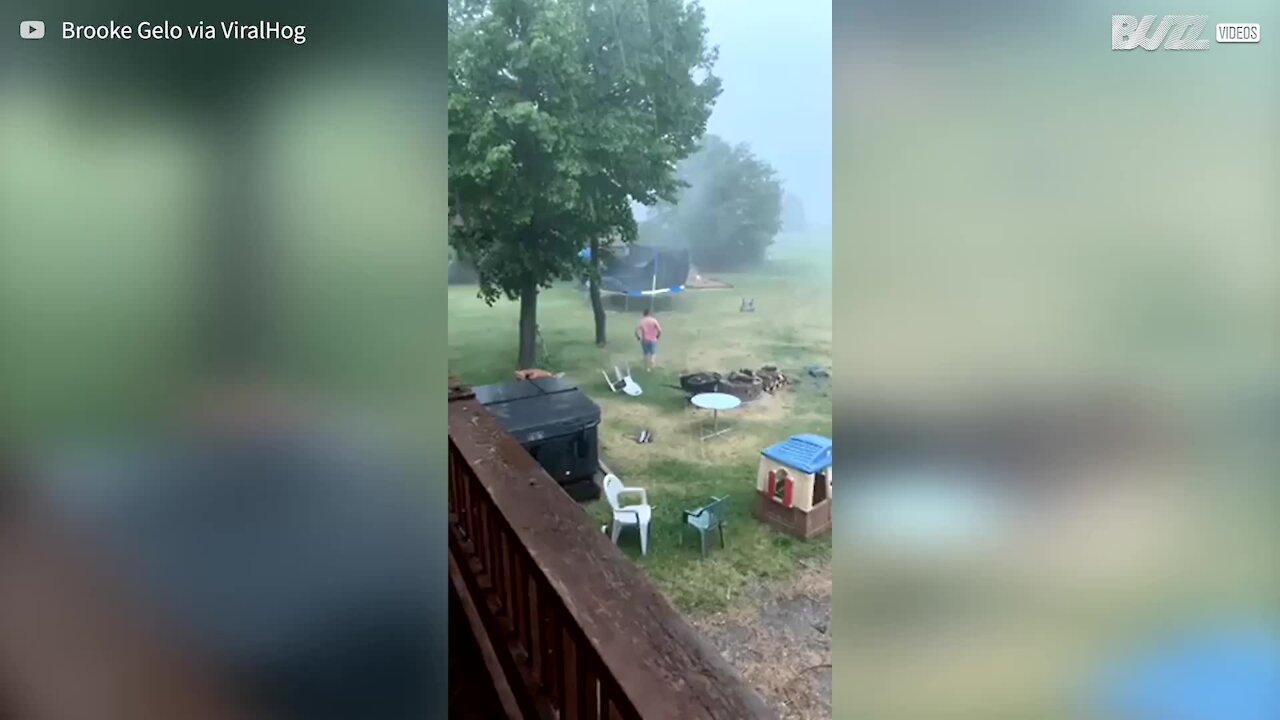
[166,30]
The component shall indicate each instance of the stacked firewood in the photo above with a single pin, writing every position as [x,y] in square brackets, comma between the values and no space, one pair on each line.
[773,378]
[769,378]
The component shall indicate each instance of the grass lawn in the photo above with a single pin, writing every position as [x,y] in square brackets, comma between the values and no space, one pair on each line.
[702,330]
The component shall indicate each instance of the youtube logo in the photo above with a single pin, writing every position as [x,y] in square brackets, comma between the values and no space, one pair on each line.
[31,29]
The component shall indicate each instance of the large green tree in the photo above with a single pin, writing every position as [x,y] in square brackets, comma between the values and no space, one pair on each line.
[729,211]
[562,113]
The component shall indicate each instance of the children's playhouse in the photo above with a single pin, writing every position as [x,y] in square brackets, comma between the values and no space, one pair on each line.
[793,486]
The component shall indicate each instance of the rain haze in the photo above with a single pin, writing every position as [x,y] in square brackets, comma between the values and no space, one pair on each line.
[775,61]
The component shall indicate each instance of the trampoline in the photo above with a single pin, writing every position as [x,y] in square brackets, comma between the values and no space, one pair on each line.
[639,271]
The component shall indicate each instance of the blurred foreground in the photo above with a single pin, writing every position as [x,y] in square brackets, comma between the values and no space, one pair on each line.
[219,281]
[1057,398]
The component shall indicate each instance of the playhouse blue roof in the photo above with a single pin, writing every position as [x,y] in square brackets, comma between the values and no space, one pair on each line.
[806,453]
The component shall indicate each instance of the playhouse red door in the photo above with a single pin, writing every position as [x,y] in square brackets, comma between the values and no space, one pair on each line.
[780,491]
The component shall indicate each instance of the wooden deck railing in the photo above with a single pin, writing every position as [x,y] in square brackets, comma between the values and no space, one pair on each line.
[570,627]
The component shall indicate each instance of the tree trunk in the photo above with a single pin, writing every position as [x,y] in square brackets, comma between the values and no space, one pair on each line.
[528,326]
[597,304]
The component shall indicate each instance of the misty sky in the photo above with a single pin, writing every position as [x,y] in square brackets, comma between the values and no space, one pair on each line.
[775,60]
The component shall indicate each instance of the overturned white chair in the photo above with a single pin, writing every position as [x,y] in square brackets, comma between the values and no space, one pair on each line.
[622,381]
[628,515]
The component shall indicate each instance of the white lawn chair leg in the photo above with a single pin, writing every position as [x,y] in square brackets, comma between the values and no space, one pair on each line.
[617,530]
[644,538]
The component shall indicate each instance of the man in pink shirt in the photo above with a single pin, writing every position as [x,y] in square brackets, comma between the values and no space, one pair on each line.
[648,332]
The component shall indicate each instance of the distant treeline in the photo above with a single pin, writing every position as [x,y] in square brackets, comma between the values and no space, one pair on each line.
[729,211]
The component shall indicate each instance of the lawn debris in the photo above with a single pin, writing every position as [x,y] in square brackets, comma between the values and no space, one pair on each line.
[747,305]
[818,371]
[644,437]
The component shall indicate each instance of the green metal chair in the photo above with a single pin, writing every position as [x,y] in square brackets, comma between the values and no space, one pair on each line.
[707,519]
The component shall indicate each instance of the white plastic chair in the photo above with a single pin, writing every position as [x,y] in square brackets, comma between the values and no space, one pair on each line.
[630,386]
[622,381]
[628,515]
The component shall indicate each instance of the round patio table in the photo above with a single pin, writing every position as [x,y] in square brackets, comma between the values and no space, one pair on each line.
[715,402]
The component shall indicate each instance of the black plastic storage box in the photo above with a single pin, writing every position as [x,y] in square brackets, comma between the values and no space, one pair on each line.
[556,422]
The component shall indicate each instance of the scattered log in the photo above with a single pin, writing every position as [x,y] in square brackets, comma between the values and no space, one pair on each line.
[533,374]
